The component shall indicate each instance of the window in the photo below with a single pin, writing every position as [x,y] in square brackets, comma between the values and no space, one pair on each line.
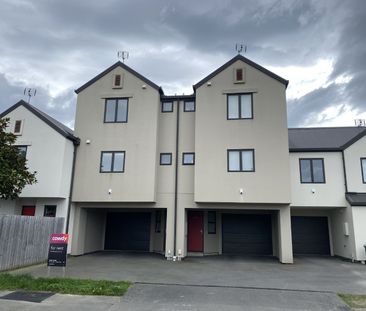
[363,168]
[158,221]
[188,158]
[117,81]
[112,162]
[239,75]
[189,106]
[22,150]
[211,221]
[28,210]
[240,106]
[165,159]
[167,107]
[18,127]
[49,211]
[116,110]
[240,160]
[312,171]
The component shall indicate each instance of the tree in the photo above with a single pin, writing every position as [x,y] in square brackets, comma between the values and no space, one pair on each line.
[14,173]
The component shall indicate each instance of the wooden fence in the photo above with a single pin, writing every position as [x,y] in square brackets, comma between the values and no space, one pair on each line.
[24,240]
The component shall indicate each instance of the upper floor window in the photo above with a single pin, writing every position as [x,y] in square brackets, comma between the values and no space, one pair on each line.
[239,106]
[312,171]
[18,127]
[22,150]
[112,162]
[189,106]
[188,158]
[240,160]
[165,159]
[239,75]
[116,110]
[363,168]
[167,107]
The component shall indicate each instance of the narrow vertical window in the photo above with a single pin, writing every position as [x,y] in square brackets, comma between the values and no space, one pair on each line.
[363,169]
[158,221]
[18,127]
[211,222]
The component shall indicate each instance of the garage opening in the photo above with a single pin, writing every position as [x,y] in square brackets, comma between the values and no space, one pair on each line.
[247,234]
[128,231]
[310,235]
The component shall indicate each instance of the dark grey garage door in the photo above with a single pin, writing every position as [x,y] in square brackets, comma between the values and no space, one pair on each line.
[128,231]
[310,235]
[246,234]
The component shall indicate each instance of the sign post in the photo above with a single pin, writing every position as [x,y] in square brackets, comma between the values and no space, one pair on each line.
[57,251]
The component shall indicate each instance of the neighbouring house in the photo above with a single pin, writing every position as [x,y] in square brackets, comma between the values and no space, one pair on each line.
[214,172]
[49,147]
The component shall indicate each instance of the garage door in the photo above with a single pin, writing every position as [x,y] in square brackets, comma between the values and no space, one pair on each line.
[310,235]
[246,234]
[128,231]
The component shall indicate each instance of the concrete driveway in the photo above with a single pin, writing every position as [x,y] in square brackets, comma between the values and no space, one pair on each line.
[326,275]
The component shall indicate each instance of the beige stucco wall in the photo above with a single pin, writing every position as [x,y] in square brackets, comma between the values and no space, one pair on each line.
[331,193]
[48,153]
[137,137]
[266,133]
[352,157]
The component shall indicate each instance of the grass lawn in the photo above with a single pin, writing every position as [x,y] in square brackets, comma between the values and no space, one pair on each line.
[63,285]
[354,301]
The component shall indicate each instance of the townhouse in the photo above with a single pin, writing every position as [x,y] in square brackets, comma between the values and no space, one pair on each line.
[214,172]
[49,147]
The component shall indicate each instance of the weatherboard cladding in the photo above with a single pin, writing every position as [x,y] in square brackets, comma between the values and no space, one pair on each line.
[56,125]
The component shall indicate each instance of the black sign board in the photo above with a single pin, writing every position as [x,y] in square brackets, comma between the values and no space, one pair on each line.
[57,251]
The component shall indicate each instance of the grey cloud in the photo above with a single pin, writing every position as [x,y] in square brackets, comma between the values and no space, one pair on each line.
[69,42]
[62,107]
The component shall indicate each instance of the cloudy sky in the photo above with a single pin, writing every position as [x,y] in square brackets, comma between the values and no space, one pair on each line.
[56,46]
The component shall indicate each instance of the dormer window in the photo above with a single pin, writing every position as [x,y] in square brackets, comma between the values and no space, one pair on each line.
[18,127]
[117,81]
[239,75]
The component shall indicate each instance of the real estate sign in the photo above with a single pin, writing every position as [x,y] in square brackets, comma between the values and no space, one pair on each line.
[57,251]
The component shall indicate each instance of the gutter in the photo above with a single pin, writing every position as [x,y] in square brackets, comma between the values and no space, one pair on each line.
[176,180]
[344,172]
[76,144]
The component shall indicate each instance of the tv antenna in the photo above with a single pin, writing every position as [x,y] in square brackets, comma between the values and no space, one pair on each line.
[360,122]
[240,47]
[123,55]
[30,93]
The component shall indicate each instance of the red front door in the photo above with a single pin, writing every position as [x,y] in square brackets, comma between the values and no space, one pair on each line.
[28,210]
[195,231]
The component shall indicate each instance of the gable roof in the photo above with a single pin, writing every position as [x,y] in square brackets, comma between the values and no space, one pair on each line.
[122,65]
[245,60]
[323,138]
[56,125]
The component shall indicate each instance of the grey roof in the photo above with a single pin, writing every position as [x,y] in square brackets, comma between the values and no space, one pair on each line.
[356,199]
[56,125]
[245,60]
[324,138]
[122,65]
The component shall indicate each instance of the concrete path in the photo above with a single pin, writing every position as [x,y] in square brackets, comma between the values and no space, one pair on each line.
[310,274]
[142,297]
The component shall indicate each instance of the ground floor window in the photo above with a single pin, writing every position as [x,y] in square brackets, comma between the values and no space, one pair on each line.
[211,222]
[49,211]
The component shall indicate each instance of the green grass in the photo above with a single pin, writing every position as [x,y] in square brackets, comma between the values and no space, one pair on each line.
[354,301]
[63,285]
